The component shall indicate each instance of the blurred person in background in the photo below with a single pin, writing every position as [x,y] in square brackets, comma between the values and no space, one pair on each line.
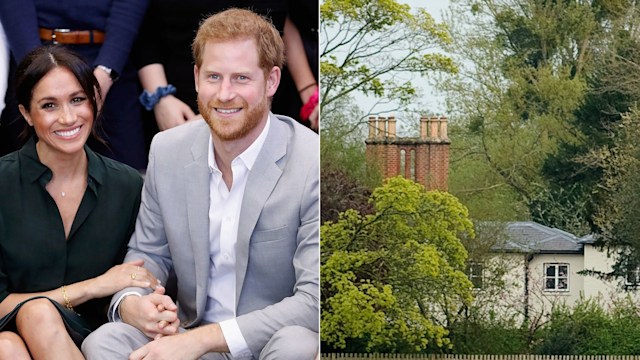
[298,96]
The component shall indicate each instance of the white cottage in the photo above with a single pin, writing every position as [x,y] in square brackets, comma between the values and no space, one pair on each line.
[541,267]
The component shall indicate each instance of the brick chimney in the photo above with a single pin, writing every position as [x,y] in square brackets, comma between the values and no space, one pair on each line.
[424,159]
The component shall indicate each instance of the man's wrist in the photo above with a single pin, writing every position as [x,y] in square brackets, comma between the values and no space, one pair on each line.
[211,338]
[117,307]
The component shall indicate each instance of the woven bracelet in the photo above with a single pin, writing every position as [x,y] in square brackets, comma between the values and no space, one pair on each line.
[149,100]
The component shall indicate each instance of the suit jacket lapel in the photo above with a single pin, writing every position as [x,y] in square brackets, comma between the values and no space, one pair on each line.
[262,179]
[197,184]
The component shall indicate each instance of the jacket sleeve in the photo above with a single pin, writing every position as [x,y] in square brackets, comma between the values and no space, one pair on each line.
[123,24]
[20,22]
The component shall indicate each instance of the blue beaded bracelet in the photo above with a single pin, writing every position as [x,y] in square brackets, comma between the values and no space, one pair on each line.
[149,100]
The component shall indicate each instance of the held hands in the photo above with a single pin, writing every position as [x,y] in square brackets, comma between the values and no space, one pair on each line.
[171,112]
[156,315]
[121,276]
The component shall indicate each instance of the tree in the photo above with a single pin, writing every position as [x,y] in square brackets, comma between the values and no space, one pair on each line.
[346,179]
[375,47]
[472,180]
[575,191]
[394,280]
[618,217]
[522,96]
[339,193]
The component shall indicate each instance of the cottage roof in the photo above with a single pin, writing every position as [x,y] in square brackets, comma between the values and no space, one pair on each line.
[531,237]
[588,239]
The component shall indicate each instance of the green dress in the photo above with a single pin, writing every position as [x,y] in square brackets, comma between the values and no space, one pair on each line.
[34,254]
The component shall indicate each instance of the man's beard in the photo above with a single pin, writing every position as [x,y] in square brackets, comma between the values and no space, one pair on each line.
[237,128]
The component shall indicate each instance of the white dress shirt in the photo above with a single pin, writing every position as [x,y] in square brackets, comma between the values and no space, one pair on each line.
[224,216]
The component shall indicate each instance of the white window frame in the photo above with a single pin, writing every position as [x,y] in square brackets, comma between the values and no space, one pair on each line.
[556,277]
[472,275]
[632,284]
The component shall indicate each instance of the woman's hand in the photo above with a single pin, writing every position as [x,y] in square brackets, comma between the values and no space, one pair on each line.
[130,274]
[171,112]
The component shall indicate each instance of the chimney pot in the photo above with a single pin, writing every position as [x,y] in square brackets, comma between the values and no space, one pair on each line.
[391,127]
[382,127]
[443,128]
[423,127]
[372,127]
[433,127]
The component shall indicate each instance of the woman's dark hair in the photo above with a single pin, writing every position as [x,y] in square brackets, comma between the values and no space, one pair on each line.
[40,62]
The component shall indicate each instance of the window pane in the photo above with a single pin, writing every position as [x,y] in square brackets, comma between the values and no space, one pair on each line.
[551,270]
[550,284]
[562,270]
[562,284]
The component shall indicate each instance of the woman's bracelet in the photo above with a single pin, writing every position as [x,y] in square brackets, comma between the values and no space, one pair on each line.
[308,108]
[65,297]
[149,100]
[306,87]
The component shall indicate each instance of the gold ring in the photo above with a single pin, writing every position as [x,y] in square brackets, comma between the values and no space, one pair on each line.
[133,276]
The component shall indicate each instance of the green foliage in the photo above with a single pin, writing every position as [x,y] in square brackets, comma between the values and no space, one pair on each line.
[589,329]
[578,194]
[618,218]
[541,81]
[342,142]
[492,338]
[367,44]
[472,180]
[346,178]
[393,280]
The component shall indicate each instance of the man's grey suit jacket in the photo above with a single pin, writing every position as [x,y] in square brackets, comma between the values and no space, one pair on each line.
[277,252]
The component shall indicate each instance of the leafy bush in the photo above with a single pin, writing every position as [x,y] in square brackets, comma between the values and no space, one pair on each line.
[591,329]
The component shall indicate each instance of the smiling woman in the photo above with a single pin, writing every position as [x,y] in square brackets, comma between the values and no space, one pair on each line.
[60,114]
[60,238]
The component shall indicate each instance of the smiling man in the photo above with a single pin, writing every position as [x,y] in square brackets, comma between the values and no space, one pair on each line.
[231,204]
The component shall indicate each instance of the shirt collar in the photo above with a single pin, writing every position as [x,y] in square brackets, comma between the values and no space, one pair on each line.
[35,170]
[249,156]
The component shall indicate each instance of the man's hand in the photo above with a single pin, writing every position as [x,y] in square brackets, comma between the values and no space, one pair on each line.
[181,346]
[156,315]
[188,345]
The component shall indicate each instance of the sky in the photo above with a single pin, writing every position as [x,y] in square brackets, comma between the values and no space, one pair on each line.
[434,7]
[434,101]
